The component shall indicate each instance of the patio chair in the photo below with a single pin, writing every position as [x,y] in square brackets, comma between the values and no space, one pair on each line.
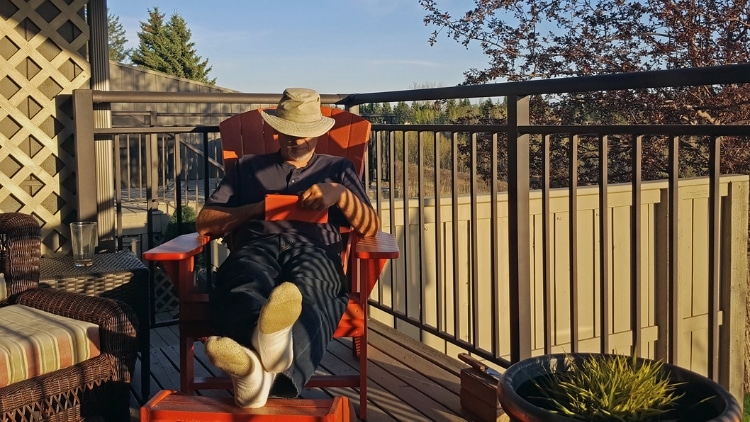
[364,258]
[63,356]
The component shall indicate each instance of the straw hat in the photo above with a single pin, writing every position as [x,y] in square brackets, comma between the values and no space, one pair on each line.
[298,114]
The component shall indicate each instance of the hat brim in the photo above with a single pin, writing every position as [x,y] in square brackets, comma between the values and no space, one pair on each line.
[302,130]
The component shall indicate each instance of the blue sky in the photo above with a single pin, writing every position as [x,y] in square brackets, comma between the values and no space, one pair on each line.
[333,46]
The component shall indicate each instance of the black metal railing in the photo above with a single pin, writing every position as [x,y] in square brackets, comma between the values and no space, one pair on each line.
[474,269]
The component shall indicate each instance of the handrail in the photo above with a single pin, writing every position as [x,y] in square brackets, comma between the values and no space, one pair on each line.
[710,75]
[197,97]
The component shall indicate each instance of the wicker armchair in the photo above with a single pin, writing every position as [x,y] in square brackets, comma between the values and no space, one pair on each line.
[95,389]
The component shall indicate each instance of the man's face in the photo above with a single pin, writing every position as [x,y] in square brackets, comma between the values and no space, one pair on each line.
[293,148]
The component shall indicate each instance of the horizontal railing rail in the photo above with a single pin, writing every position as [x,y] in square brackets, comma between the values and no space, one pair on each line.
[711,75]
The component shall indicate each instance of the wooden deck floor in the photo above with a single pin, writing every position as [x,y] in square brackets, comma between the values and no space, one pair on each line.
[407,380]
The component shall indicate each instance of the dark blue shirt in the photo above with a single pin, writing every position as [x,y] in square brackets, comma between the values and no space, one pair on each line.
[254,176]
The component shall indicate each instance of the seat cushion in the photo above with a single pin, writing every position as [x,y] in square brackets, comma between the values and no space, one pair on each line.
[34,342]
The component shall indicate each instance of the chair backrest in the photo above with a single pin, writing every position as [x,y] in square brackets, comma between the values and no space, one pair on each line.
[248,133]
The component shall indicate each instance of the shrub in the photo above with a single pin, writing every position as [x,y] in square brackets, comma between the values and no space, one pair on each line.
[188,223]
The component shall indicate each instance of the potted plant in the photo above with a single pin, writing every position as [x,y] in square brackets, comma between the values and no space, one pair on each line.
[602,387]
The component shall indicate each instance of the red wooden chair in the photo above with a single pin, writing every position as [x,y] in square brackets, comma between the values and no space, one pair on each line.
[240,135]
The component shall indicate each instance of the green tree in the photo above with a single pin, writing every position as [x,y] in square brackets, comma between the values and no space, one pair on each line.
[455,109]
[374,112]
[403,113]
[117,40]
[387,109]
[166,47]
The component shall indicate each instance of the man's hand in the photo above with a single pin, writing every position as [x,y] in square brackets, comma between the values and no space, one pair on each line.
[321,196]
[361,216]
[217,221]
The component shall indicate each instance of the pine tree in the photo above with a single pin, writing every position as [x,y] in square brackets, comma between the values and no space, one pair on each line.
[117,40]
[403,113]
[166,47]
[151,38]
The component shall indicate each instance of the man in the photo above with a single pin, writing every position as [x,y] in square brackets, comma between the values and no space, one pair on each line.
[281,292]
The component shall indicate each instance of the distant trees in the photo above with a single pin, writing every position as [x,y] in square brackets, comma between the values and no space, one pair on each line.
[429,112]
[435,150]
[165,46]
[532,39]
[117,40]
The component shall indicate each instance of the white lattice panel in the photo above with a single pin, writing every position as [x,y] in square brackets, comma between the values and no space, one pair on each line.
[42,60]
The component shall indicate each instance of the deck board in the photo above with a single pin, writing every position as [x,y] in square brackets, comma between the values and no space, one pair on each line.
[407,381]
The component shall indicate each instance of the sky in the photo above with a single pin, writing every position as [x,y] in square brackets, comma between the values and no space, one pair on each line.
[333,46]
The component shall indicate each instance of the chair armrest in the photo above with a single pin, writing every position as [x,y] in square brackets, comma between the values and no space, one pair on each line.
[180,248]
[381,246]
[117,321]
[373,252]
[177,259]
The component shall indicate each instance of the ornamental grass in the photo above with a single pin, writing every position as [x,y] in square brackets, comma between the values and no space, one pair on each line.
[608,388]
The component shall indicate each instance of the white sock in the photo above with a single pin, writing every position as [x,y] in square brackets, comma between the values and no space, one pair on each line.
[273,336]
[251,383]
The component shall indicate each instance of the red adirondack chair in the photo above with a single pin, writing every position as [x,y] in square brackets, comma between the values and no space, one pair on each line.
[247,133]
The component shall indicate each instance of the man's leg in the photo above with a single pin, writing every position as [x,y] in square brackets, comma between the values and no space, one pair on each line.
[321,283]
[243,284]
[251,383]
[253,371]
[272,338]
[245,281]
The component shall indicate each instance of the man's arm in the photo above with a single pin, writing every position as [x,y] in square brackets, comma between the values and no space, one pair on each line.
[360,215]
[217,221]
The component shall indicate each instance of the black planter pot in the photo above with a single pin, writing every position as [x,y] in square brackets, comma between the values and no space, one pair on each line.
[721,407]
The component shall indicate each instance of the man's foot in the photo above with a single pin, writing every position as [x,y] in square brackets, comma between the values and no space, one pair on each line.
[229,356]
[273,336]
[251,383]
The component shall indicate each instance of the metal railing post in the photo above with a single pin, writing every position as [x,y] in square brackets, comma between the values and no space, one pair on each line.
[152,180]
[83,112]
[99,59]
[518,229]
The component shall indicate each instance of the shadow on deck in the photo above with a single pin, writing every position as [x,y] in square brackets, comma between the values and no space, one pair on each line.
[407,381]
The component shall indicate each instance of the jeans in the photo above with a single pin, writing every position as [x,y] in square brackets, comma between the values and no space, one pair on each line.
[245,280]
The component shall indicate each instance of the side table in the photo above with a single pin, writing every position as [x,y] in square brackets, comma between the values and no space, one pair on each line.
[120,276]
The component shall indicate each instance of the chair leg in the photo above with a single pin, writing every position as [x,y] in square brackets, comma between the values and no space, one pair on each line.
[356,346]
[187,352]
[362,341]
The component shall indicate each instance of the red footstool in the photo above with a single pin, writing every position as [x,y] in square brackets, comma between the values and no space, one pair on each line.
[170,406]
